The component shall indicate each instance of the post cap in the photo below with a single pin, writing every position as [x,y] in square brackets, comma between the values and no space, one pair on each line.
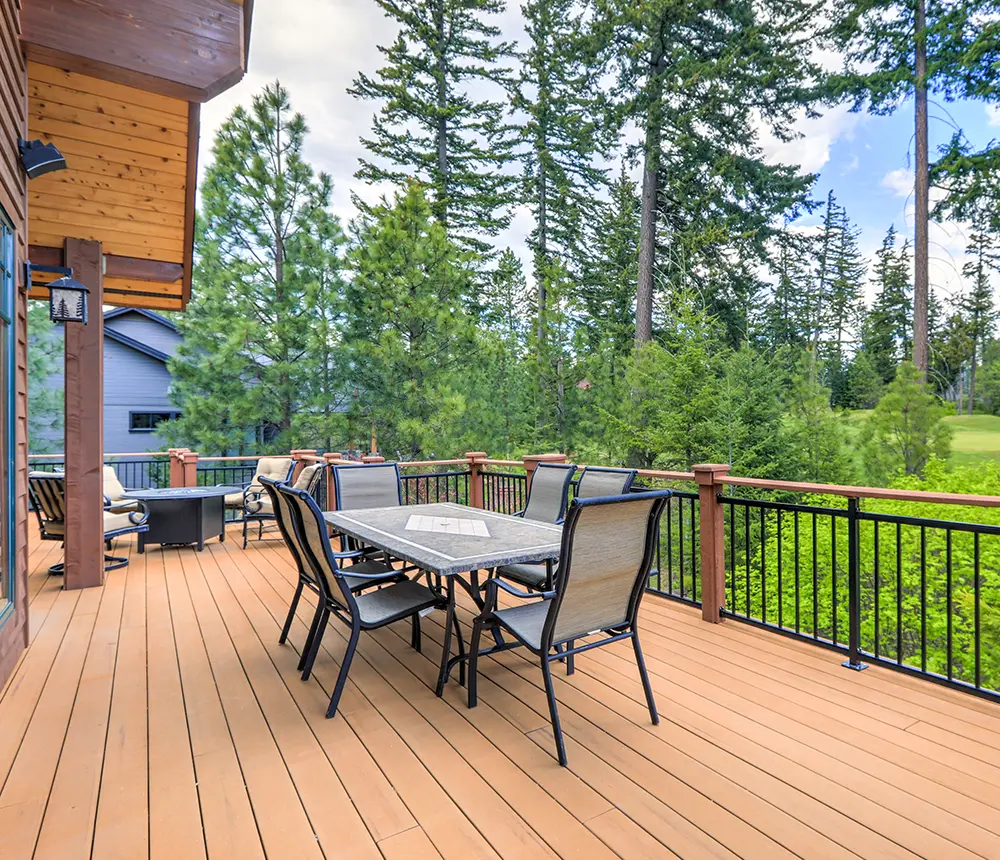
[709,473]
[373,458]
[476,455]
[544,458]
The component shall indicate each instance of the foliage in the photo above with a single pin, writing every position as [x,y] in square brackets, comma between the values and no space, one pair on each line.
[906,428]
[887,334]
[430,126]
[266,269]
[45,403]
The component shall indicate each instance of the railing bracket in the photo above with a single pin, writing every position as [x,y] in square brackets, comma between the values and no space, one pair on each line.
[857,667]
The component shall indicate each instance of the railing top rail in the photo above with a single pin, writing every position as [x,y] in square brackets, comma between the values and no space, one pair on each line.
[232,459]
[666,476]
[501,463]
[925,496]
[423,464]
[126,454]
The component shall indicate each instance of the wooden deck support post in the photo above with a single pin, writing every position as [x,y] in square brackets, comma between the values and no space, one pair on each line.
[712,534]
[331,457]
[297,455]
[177,467]
[531,462]
[372,458]
[189,463]
[84,423]
[476,496]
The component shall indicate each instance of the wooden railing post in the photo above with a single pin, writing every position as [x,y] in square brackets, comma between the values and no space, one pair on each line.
[189,460]
[713,548]
[177,467]
[531,462]
[298,456]
[331,457]
[477,498]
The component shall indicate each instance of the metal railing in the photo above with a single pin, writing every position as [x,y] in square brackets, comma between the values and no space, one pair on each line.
[504,492]
[133,472]
[433,487]
[911,592]
[677,566]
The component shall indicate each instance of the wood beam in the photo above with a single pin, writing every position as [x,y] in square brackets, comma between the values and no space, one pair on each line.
[84,434]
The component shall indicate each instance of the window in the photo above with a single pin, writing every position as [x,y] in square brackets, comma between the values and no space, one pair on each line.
[147,422]
[6,414]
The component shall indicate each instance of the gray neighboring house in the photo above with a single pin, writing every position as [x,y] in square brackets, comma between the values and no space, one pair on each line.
[137,346]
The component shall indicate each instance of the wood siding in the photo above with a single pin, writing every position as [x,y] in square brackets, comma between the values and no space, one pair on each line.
[127,182]
[13,635]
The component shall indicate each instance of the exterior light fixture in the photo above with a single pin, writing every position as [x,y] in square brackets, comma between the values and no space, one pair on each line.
[40,158]
[68,301]
[67,296]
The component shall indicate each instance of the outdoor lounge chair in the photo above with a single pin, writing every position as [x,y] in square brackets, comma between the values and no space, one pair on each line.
[605,559]
[48,498]
[338,587]
[307,579]
[547,504]
[114,493]
[275,468]
[259,508]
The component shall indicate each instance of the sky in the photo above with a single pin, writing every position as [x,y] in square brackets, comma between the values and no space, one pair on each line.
[317,47]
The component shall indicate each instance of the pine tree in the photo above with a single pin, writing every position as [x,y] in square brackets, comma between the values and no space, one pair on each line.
[983,263]
[239,376]
[408,336]
[684,75]
[788,312]
[45,401]
[846,273]
[432,125]
[897,48]
[887,335]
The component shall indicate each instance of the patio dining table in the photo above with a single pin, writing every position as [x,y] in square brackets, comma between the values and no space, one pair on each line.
[448,541]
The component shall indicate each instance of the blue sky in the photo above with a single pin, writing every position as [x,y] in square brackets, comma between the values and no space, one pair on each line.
[317,47]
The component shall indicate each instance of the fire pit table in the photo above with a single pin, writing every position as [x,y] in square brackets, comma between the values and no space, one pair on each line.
[184,515]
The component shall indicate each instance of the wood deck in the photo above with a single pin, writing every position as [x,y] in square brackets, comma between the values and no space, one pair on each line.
[158,717]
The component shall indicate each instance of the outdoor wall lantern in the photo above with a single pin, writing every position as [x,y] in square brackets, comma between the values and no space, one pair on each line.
[67,296]
[40,158]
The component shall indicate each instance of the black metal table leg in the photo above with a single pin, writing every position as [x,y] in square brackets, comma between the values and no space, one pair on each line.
[449,623]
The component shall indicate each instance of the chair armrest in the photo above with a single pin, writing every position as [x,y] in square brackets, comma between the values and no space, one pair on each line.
[107,501]
[141,516]
[253,502]
[490,604]
[518,513]
[353,554]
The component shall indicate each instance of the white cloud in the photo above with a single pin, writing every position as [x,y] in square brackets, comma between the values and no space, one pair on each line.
[899,181]
[811,149]
[993,115]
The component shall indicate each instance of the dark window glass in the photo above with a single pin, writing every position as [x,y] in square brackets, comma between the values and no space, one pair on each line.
[147,422]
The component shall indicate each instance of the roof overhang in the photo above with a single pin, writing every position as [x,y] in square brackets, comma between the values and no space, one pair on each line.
[187,49]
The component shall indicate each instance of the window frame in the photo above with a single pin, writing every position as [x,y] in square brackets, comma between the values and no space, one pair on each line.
[8,319]
[170,413]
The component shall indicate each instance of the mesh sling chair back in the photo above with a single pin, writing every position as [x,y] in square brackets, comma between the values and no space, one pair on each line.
[596,481]
[607,552]
[356,487]
[47,492]
[368,611]
[547,504]
[259,507]
[307,577]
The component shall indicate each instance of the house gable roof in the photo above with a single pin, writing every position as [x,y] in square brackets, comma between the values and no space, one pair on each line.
[150,315]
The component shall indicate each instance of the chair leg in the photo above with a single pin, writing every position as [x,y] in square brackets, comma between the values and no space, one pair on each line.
[345,667]
[314,645]
[473,686]
[291,614]
[553,711]
[570,665]
[313,627]
[244,531]
[415,634]
[647,689]
[461,651]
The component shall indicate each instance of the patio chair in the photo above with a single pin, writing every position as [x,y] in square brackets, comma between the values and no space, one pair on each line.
[259,508]
[275,468]
[367,486]
[547,504]
[596,481]
[114,493]
[367,611]
[48,498]
[308,579]
[606,555]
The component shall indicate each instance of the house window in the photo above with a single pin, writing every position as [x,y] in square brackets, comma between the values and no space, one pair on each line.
[147,422]
[6,414]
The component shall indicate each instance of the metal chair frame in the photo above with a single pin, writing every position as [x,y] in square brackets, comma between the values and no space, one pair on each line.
[550,649]
[260,516]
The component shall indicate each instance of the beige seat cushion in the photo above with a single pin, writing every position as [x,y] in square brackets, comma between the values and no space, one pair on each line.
[272,468]
[113,488]
[307,476]
[113,522]
[262,506]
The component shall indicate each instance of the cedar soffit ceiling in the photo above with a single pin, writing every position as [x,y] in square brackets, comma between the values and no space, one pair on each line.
[187,49]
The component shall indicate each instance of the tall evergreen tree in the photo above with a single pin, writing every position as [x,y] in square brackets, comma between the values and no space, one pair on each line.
[980,311]
[788,313]
[432,124]
[700,79]
[408,336]
[846,273]
[45,401]
[239,375]
[897,48]
[888,333]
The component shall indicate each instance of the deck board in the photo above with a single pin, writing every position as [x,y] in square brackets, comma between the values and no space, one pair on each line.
[158,718]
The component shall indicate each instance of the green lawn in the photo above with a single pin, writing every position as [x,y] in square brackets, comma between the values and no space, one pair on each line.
[977,437]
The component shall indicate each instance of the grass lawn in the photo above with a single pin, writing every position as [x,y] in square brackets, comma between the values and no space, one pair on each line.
[977,437]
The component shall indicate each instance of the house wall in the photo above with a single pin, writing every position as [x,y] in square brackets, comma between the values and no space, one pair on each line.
[145,330]
[13,110]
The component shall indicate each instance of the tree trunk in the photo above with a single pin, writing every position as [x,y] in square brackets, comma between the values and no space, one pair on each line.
[443,190]
[921,250]
[650,197]
[972,383]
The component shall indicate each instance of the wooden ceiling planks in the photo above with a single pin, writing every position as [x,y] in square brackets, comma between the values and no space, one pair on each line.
[189,49]
[129,183]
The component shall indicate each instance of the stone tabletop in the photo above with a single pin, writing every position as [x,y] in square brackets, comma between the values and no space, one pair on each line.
[480,540]
[180,493]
